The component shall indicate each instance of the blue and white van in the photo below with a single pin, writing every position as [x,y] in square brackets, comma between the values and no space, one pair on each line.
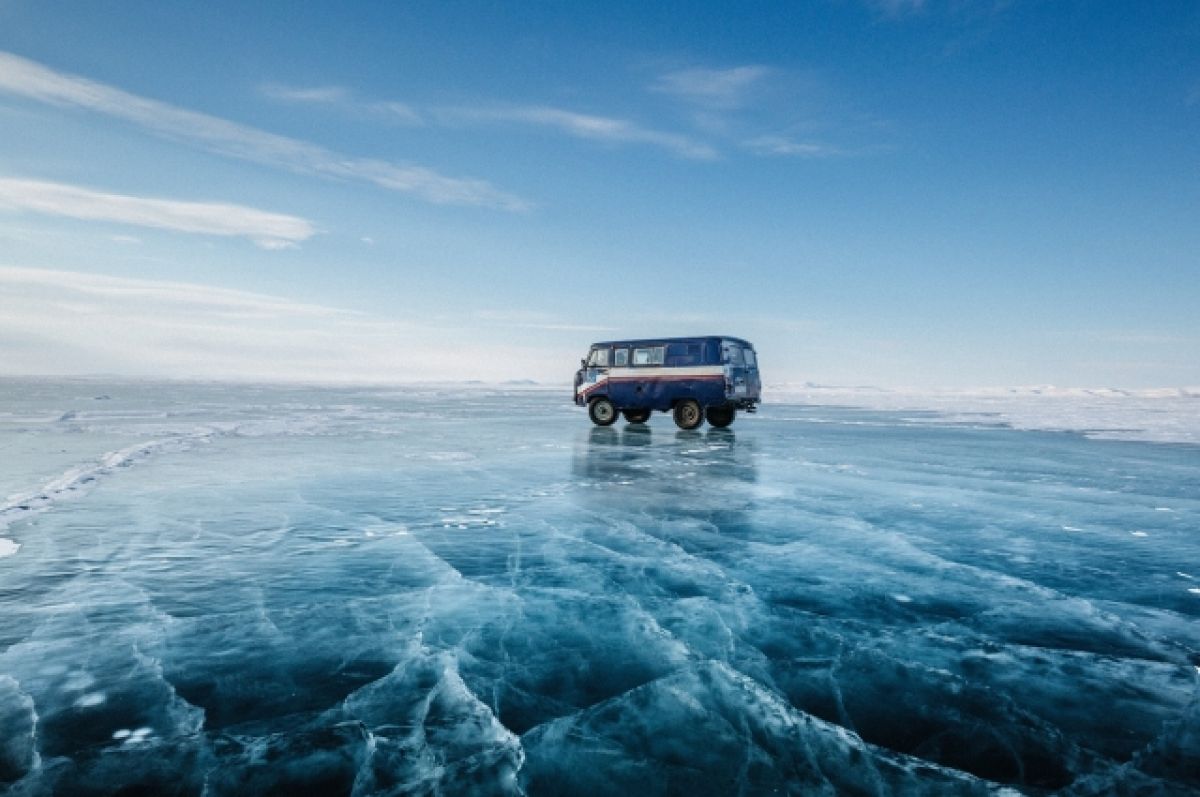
[693,378]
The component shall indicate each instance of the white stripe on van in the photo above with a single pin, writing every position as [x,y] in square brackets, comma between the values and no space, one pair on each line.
[680,372]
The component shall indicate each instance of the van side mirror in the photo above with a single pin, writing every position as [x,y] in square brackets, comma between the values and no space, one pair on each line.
[583,362]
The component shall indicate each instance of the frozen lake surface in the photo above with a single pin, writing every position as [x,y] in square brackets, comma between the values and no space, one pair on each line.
[216,590]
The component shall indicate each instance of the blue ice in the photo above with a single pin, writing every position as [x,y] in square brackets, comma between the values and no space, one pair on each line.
[221,589]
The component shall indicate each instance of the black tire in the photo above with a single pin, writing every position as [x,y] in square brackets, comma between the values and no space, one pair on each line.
[688,414]
[637,416]
[721,416]
[602,411]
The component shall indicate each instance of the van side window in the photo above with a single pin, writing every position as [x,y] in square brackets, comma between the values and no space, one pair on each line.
[599,358]
[683,354]
[731,353]
[621,357]
[652,355]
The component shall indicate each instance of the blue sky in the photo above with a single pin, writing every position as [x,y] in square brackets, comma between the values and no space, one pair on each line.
[895,193]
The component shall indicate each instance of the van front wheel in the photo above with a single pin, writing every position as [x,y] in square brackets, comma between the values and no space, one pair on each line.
[688,414]
[721,415]
[602,412]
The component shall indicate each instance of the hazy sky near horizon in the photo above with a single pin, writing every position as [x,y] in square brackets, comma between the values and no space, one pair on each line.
[889,192]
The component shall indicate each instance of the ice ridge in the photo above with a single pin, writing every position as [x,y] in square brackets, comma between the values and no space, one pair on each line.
[679,733]
[78,480]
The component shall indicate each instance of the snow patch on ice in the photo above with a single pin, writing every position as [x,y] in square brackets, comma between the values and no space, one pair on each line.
[8,547]
[1161,415]
[90,699]
[137,736]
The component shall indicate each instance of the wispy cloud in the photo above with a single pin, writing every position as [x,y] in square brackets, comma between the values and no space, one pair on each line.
[586,126]
[25,78]
[579,125]
[164,295]
[768,111]
[314,94]
[343,99]
[267,230]
[65,322]
[719,89]
[394,111]
[788,147]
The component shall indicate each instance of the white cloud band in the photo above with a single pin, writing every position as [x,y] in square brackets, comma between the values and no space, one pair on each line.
[714,88]
[596,128]
[344,99]
[73,323]
[268,230]
[25,78]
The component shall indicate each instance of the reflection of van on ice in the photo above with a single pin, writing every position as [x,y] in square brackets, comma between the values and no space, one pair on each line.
[693,378]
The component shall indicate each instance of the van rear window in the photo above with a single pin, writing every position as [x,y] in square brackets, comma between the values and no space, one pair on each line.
[751,359]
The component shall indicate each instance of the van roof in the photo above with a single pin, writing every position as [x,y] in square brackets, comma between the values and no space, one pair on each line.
[661,341]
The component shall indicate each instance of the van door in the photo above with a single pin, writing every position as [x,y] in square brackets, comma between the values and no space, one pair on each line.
[595,377]
[737,383]
[753,380]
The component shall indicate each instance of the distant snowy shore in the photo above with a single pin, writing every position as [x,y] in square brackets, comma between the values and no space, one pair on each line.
[1158,415]
[1162,415]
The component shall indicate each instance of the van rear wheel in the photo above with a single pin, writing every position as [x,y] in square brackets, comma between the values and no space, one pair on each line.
[637,416]
[722,415]
[688,414]
[602,411]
